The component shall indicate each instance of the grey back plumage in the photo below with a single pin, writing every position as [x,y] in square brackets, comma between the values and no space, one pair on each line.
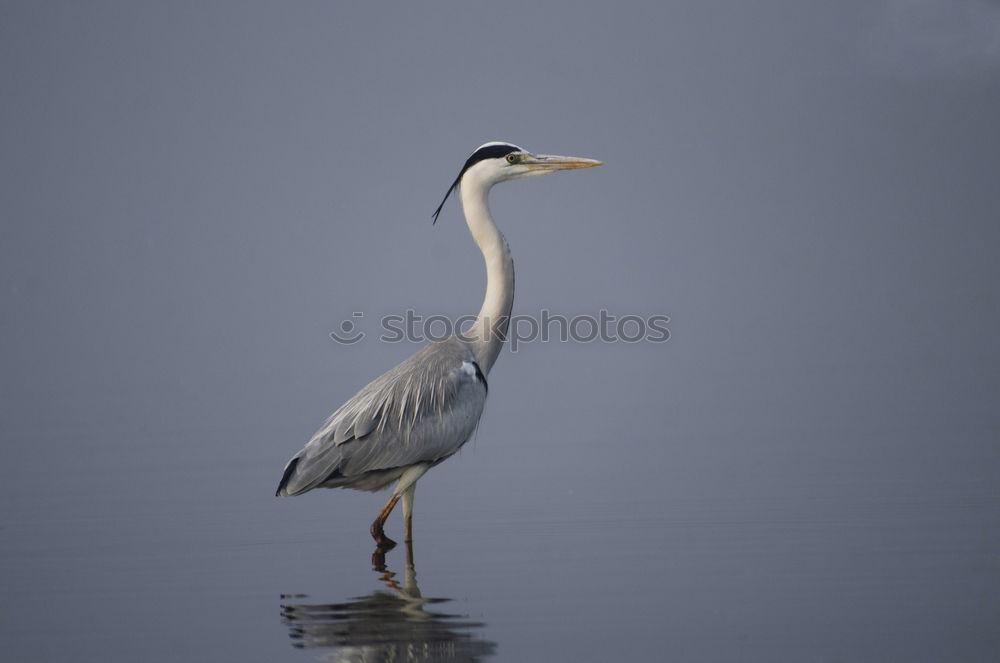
[421,411]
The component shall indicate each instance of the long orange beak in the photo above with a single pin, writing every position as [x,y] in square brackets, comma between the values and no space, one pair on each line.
[550,162]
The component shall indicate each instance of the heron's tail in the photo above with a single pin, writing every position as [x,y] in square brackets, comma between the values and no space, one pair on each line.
[289,471]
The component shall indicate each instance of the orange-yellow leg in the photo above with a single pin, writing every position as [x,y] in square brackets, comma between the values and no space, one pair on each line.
[377,532]
[408,513]
[404,488]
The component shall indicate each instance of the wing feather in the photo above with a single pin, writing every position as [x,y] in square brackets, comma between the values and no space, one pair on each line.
[423,410]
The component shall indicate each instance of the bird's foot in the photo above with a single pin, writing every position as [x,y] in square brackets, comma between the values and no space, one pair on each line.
[381,540]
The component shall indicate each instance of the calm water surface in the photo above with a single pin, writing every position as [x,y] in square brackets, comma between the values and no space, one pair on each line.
[753,538]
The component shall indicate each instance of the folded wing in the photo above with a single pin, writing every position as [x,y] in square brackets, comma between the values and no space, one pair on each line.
[421,411]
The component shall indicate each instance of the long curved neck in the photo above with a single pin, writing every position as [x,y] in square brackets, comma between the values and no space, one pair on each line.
[489,331]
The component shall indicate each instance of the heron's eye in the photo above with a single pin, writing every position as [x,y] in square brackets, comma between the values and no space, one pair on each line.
[513,158]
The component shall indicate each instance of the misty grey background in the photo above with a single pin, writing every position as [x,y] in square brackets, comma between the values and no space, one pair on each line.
[194,195]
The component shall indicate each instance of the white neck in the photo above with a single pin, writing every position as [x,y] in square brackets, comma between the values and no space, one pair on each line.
[489,331]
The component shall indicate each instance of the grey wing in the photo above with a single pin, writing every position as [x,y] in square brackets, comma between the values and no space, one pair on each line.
[421,411]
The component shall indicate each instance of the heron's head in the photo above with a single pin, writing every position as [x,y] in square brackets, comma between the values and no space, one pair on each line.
[497,161]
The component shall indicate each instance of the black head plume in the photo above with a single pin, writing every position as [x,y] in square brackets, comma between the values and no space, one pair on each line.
[494,150]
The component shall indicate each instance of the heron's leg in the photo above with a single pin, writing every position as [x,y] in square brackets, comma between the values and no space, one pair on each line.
[405,484]
[377,532]
[408,513]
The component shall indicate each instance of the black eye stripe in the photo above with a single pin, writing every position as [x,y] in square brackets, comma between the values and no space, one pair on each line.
[489,152]
[494,151]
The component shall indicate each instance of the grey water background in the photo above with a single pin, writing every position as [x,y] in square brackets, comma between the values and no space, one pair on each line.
[194,195]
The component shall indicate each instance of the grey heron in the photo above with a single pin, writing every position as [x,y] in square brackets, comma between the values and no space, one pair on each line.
[419,413]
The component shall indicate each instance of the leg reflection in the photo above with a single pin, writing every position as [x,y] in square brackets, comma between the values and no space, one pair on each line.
[409,587]
[394,622]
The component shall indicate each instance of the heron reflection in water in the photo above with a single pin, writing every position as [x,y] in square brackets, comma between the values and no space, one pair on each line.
[393,624]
